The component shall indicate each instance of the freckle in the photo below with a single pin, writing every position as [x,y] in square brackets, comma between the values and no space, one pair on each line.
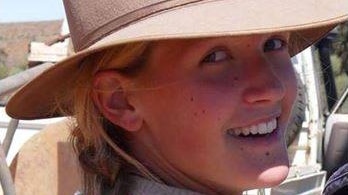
[191,99]
[236,78]
[219,119]
[267,153]
[203,111]
[248,45]
[242,149]
[195,113]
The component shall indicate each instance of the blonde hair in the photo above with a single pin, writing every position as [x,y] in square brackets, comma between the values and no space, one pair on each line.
[101,146]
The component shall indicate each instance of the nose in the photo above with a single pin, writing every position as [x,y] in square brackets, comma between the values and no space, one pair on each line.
[265,86]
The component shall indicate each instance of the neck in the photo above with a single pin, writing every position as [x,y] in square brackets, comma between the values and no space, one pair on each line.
[170,175]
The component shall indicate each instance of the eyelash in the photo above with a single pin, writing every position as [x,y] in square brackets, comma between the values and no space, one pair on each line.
[220,54]
[224,55]
[268,45]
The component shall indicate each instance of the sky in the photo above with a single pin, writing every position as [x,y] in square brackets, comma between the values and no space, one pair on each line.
[30,10]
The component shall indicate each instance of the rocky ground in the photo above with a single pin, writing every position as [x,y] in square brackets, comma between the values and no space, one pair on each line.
[15,39]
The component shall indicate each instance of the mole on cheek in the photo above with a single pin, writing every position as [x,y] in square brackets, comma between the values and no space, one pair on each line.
[203,111]
[267,153]
[242,149]
[236,78]
[191,99]
[196,114]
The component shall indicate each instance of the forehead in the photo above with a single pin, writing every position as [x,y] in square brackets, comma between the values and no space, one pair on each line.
[180,47]
[234,40]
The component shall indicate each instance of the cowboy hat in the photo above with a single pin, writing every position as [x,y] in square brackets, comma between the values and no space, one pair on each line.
[97,25]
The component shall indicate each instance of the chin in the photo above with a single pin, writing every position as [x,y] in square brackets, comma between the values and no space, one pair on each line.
[269,178]
[276,172]
[272,176]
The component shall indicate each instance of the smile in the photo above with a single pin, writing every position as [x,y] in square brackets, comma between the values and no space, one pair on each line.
[257,129]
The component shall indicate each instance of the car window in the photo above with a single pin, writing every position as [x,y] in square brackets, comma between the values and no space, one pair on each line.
[331,59]
[339,59]
[343,108]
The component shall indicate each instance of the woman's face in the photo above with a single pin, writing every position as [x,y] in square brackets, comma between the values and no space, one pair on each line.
[215,112]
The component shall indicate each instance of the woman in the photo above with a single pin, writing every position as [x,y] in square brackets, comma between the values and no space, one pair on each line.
[182,96]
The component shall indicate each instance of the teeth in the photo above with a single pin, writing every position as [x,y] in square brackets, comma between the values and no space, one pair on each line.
[238,131]
[246,131]
[253,129]
[271,125]
[261,128]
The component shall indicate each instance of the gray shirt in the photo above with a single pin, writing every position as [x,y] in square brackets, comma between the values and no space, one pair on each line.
[138,185]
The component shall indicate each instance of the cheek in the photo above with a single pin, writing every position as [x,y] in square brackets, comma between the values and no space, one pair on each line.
[286,74]
[288,77]
[291,85]
[186,117]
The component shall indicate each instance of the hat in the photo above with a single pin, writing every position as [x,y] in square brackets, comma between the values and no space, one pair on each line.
[99,24]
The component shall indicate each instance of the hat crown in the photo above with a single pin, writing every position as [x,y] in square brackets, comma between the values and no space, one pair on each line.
[91,20]
[96,25]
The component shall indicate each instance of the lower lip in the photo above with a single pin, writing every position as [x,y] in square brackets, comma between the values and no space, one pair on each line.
[259,141]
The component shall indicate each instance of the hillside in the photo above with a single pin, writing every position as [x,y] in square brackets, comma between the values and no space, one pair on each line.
[15,39]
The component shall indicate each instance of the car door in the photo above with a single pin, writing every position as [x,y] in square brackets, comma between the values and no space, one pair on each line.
[335,147]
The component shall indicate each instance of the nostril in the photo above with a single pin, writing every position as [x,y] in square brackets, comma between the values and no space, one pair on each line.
[264,93]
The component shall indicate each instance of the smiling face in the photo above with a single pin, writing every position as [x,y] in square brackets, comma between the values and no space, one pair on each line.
[214,112]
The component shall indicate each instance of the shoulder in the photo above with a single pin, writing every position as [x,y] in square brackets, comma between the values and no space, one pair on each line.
[338,182]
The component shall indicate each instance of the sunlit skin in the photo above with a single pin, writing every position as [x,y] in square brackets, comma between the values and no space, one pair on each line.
[191,92]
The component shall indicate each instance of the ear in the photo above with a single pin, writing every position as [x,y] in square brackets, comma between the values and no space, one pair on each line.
[110,97]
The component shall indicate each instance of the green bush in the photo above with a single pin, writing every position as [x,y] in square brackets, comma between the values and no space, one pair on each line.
[3,71]
[15,69]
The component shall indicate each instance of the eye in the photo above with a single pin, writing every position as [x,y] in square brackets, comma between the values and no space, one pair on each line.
[274,44]
[216,56]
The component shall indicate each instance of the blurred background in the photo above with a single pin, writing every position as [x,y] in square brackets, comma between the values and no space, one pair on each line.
[22,22]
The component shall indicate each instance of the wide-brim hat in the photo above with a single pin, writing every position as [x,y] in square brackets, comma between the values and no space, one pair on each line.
[99,24]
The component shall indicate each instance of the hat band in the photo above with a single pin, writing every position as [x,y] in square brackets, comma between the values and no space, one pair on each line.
[127,19]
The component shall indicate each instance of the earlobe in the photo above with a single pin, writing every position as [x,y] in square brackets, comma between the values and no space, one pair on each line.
[110,97]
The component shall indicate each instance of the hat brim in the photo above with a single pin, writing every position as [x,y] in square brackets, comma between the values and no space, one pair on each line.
[38,98]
